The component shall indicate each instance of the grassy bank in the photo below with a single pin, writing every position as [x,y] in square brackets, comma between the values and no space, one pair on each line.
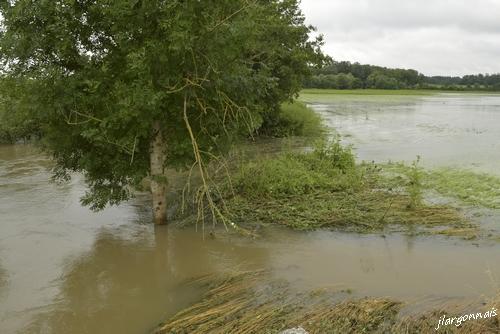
[326,188]
[252,302]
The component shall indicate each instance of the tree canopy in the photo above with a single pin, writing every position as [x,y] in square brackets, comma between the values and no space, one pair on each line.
[116,84]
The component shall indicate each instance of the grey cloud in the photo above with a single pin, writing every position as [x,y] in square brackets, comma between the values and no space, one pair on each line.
[447,37]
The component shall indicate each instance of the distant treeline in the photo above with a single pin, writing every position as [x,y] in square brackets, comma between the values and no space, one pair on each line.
[347,75]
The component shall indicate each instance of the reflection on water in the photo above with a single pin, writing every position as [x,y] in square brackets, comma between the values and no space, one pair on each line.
[447,129]
[68,270]
[73,271]
[3,279]
[127,285]
[122,285]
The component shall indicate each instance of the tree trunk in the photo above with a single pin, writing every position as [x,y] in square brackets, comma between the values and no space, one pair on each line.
[158,178]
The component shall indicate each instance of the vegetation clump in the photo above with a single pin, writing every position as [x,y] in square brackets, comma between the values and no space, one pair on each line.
[326,188]
[13,129]
[16,124]
[293,119]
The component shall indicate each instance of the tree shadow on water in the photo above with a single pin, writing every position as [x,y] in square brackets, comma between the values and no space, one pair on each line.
[3,279]
[121,286]
[129,284]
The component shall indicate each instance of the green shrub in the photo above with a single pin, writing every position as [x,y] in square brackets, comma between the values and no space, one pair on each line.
[293,119]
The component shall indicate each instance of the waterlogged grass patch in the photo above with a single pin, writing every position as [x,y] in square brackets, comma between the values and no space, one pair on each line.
[361,95]
[326,188]
[418,92]
[253,302]
[364,211]
[471,188]
[250,302]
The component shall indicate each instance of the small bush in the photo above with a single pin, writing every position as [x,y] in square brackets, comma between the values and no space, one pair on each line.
[294,119]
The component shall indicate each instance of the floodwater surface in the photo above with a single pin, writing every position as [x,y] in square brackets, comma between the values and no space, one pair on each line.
[455,130]
[65,269]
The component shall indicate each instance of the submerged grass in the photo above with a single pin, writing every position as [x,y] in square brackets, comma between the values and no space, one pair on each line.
[326,188]
[419,92]
[476,189]
[251,302]
[315,96]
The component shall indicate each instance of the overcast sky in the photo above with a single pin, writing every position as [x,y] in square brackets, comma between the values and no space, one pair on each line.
[435,37]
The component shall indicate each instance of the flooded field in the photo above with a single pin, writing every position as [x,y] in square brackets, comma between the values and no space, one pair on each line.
[64,269]
[460,130]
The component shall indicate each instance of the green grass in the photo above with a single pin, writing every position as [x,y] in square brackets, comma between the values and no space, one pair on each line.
[325,188]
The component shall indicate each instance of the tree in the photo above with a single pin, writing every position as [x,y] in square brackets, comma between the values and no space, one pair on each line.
[344,81]
[16,121]
[127,88]
[381,81]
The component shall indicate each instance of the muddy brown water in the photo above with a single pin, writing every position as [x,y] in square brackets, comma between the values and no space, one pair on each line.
[64,269]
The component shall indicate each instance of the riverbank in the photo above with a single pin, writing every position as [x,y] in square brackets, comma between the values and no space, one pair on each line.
[324,187]
[331,188]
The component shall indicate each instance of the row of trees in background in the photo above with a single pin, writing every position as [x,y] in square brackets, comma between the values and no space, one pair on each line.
[347,75]
[474,82]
